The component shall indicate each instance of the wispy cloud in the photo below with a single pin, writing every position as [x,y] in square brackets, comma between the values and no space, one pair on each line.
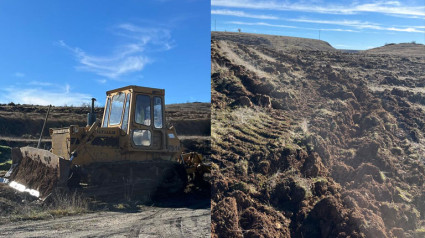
[19,75]
[43,95]
[261,24]
[341,46]
[38,83]
[126,58]
[242,14]
[101,81]
[285,26]
[358,24]
[383,7]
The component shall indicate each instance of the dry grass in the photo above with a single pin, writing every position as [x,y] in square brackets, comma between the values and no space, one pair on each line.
[59,204]
[66,203]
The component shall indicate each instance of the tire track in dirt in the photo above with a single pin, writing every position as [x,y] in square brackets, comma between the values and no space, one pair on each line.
[151,222]
[346,158]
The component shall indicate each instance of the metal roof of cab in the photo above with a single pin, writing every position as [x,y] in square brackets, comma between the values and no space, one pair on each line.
[138,89]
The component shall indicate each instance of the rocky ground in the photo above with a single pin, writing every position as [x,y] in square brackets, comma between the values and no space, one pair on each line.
[309,141]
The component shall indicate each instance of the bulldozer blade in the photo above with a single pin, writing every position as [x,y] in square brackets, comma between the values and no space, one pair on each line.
[37,171]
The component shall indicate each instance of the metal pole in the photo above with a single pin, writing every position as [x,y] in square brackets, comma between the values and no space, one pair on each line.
[44,124]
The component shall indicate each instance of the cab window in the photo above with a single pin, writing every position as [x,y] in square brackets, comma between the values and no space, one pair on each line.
[105,120]
[157,112]
[142,137]
[143,110]
[125,119]
[116,109]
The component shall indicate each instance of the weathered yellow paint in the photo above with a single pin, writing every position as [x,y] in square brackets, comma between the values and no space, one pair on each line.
[112,144]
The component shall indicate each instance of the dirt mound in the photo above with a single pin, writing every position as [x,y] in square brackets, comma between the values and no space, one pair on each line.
[11,200]
[276,42]
[35,175]
[316,143]
[402,49]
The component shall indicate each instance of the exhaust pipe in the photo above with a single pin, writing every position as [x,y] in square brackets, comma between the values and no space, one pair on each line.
[91,116]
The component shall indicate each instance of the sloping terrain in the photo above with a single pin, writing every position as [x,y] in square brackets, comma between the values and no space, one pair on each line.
[402,49]
[21,125]
[276,42]
[315,143]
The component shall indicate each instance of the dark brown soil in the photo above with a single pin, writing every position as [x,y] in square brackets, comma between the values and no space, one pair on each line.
[315,143]
[35,175]
[9,199]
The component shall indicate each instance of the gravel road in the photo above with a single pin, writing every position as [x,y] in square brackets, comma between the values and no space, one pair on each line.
[148,222]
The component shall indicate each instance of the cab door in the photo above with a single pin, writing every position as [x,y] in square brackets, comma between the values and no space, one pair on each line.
[148,132]
[158,122]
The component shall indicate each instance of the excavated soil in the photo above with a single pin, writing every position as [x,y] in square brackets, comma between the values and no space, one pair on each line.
[29,173]
[315,142]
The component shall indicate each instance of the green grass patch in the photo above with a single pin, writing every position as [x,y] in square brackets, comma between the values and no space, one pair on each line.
[420,232]
[244,187]
[319,179]
[404,195]
[4,153]
[5,165]
[382,175]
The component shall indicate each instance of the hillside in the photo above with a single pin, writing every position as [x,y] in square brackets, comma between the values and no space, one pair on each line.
[21,124]
[276,42]
[402,49]
[315,143]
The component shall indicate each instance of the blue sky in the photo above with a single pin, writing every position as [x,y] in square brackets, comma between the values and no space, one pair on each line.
[65,52]
[360,24]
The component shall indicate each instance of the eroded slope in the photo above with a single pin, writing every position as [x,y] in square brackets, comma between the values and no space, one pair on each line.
[316,143]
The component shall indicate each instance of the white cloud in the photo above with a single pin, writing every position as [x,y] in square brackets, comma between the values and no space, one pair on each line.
[358,24]
[19,75]
[409,29]
[67,88]
[43,95]
[285,26]
[126,58]
[261,24]
[350,23]
[342,46]
[242,14]
[389,7]
[38,83]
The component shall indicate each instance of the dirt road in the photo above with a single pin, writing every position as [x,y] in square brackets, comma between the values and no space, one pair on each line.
[149,222]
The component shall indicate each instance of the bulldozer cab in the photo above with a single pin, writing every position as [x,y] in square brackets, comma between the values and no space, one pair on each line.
[133,128]
[139,113]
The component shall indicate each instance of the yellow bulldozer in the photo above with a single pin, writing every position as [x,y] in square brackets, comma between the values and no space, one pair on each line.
[132,147]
